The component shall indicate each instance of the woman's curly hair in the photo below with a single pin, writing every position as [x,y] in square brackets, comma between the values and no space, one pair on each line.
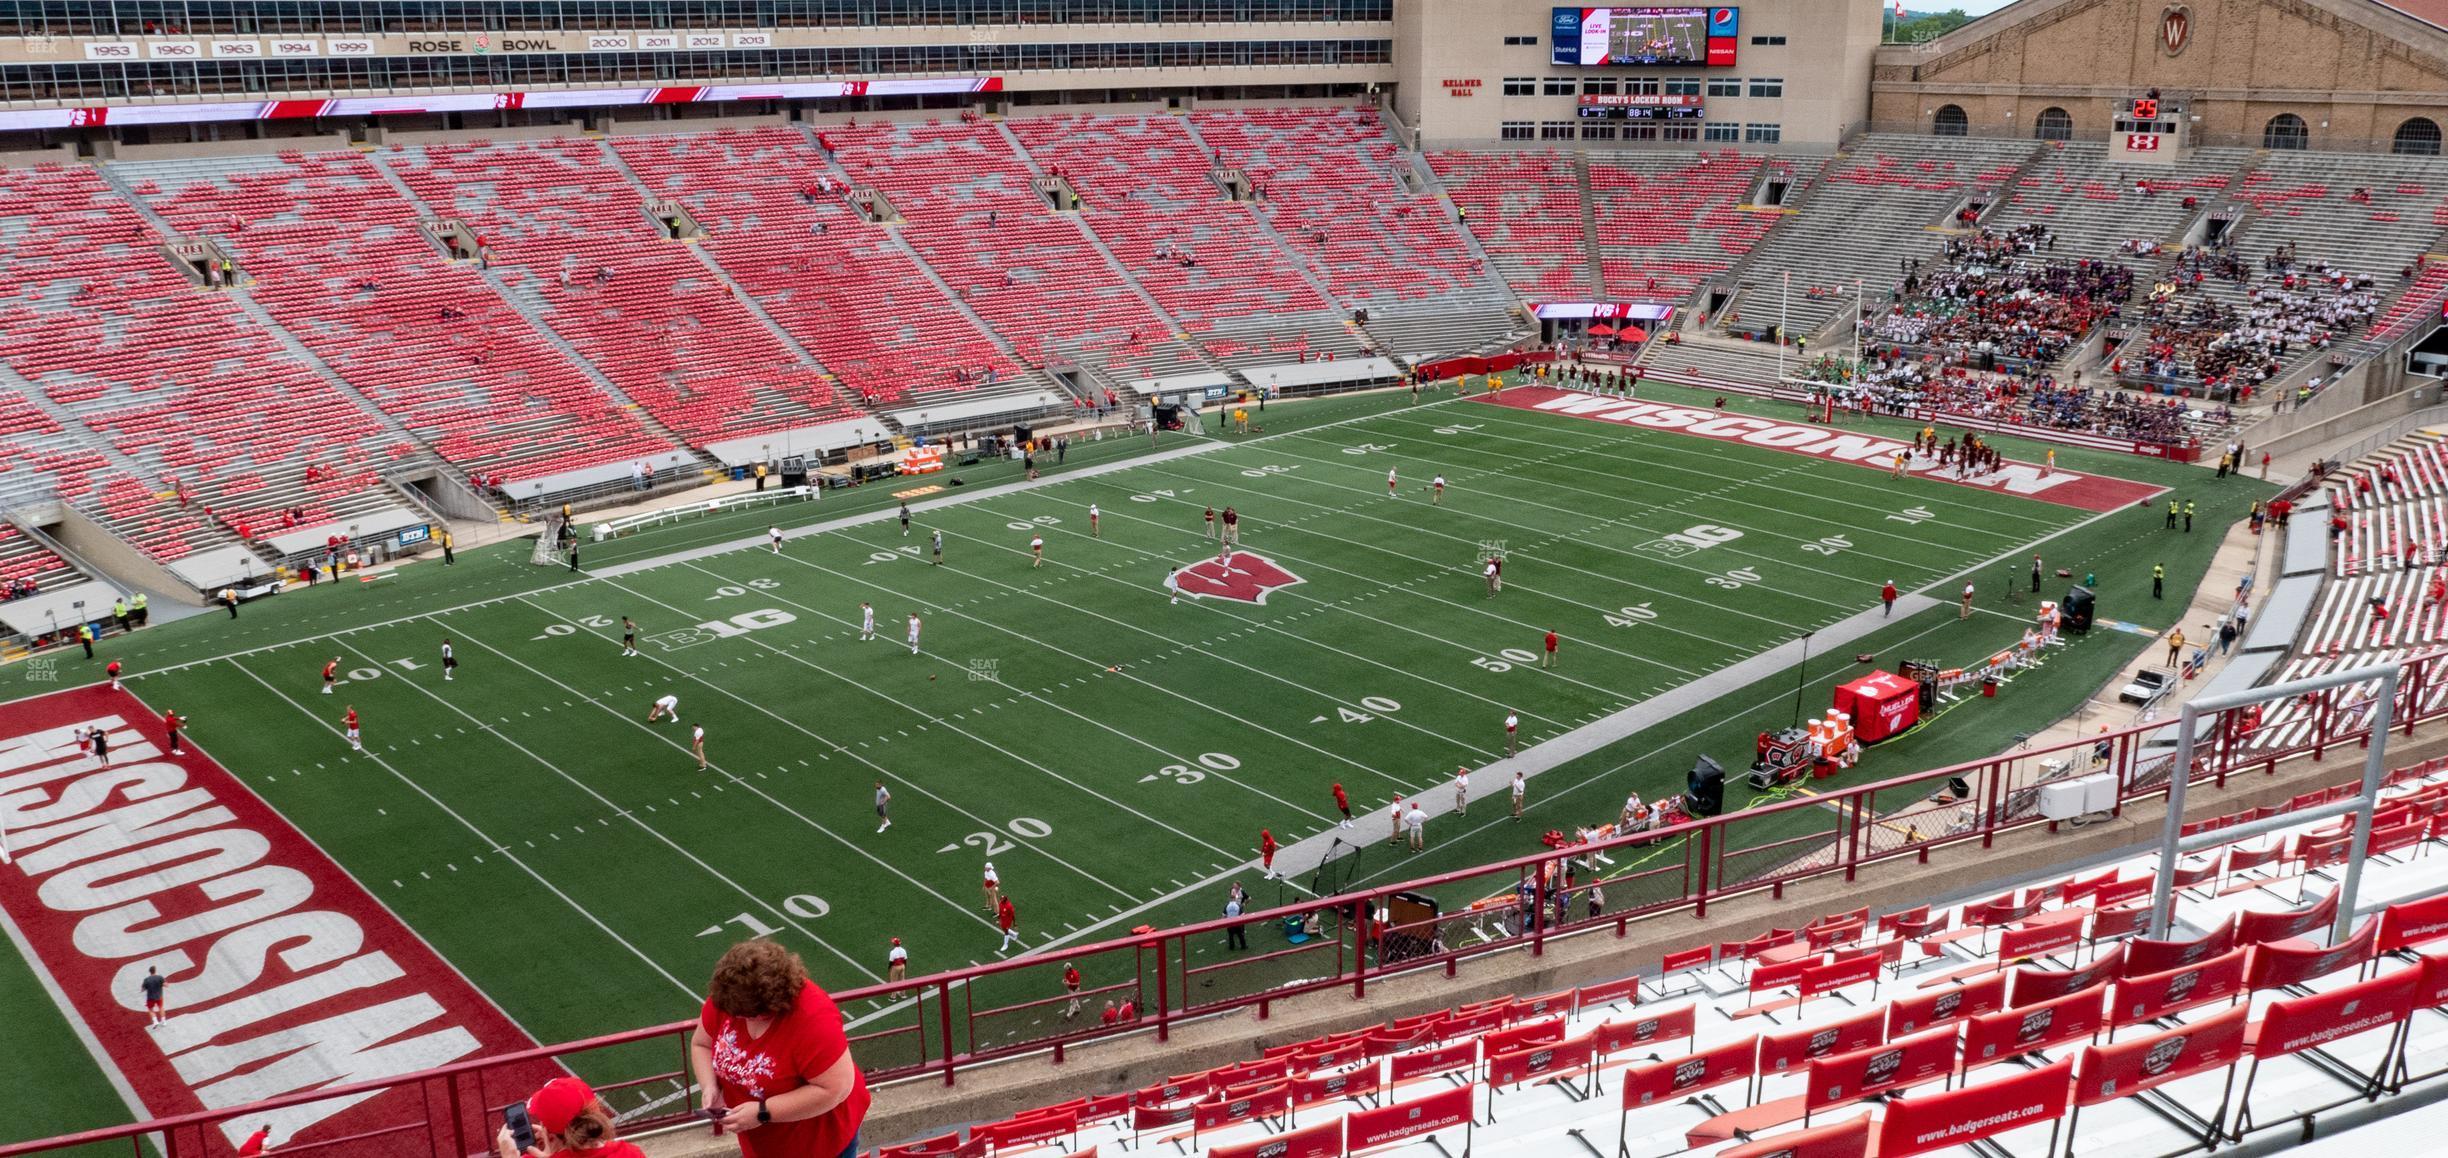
[757,979]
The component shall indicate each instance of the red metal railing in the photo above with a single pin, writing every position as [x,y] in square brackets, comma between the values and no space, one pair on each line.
[934,1026]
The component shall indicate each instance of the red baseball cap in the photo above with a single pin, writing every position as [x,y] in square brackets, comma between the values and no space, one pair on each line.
[557,1105]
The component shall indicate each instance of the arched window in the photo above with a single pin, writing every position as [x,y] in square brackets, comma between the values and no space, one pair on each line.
[1951,122]
[2418,137]
[2053,125]
[2285,131]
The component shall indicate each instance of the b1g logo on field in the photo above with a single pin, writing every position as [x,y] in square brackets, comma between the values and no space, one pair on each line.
[1247,578]
[1690,539]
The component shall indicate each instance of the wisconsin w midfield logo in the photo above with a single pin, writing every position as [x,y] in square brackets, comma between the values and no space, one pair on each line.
[1247,578]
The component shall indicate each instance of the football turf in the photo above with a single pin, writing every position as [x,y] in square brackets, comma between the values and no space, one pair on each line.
[1114,754]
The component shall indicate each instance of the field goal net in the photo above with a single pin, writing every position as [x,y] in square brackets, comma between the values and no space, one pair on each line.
[549,551]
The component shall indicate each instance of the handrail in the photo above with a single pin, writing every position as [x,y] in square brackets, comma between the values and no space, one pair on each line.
[1710,868]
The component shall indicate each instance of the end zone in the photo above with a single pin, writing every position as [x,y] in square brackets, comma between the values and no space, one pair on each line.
[2087,492]
[284,975]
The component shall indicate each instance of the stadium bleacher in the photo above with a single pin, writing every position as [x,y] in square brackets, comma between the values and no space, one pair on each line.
[1525,209]
[1668,222]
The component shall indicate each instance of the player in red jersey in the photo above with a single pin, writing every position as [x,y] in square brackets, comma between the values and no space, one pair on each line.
[173,723]
[331,674]
[349,722]
[1007,917]
[113,672]
[1343,804]
[1266,851]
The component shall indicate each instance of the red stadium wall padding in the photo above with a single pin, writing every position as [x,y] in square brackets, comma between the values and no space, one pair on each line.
[1920,1123]
[1911,1014]
[1734,1061]
[2107,1072]
[2155,995]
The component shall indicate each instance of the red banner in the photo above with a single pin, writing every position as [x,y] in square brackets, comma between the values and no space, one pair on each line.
[1324,1140]
[1441,1060]
[2145,956]
[1310,1091]
[1844,972]
[1159,1117]
[1660,1081]
[1920,1123]
[1672,963]
[2253,928]
[1533,1033]
[1846,1139]
[1367,1128]
[2125,1068]
[1667,1025]
[2296,1024]
[2039,940]
[1912,1014]
[2156,995]
[2412,923]
[1538,1061]
[2037,985]
[2014,1032]
[2290,963]
[1780,1052]
[1853,1076]
[1266,1103]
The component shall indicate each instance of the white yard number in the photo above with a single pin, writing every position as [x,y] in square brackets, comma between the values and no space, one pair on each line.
[1509,657]
[1367,448]
[1457,428]
[557,629]
[1637,613]
[1185,774]
[728,590]
[1828,546]
[1378,704]
[889,556]
[1265,471]
[1734,580]
[1033,524]
[1152,497]
[362,674]
[1025,827]
[1913,515]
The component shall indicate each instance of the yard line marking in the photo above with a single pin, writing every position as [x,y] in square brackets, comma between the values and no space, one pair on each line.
[879,769]
[641,825]
[1130,676]
[447,810]
[1091,721]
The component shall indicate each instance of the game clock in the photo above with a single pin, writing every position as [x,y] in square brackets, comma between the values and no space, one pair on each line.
[1666,36]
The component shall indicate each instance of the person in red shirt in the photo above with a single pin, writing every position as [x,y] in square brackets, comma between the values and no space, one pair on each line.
[171,723]
[113,672]
[331,674]
[1111,1015]
[569,1119]
[1266,851]
[770,1053]
[1071,986]
[350,722]
[1343,804]
[259,1142]
[1129,1010]
[1887,597]
[1008,918]
[1548,658]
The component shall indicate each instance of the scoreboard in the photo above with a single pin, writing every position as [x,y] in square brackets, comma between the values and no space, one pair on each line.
[1647,35]
[1642,107]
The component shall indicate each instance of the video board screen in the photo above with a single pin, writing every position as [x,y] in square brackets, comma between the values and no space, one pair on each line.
[1670,36]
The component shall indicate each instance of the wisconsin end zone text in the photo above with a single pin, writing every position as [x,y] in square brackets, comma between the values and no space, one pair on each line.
[285,975]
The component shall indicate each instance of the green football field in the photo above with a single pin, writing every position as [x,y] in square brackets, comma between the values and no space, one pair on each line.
[1114,754]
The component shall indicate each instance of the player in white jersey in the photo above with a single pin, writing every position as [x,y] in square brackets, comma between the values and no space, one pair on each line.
[913,634]
[1036,551]
[1390,483]
[1092,522]
[697,744]
[866,621]
[450,661]
[1172,584]
[773,539]
[667,705]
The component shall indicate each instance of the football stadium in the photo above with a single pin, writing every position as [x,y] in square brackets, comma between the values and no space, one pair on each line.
[1801,578]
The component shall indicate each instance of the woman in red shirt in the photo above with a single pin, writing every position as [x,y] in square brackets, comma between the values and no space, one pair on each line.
[769,1052]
